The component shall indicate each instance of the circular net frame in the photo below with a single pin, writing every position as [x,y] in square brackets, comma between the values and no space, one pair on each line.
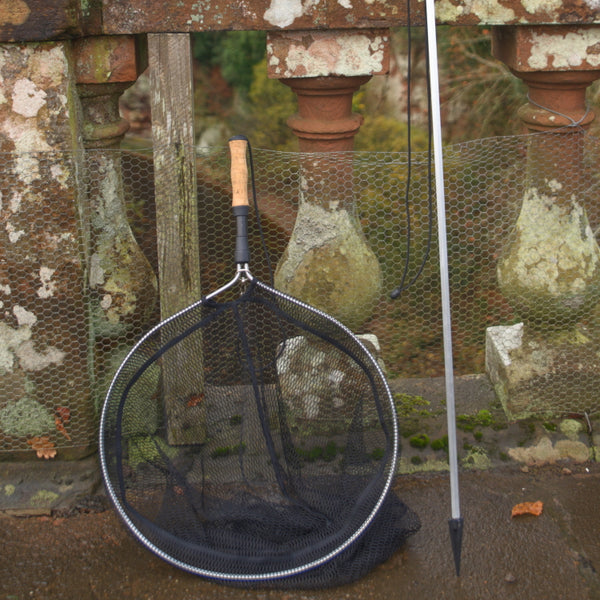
[287,482]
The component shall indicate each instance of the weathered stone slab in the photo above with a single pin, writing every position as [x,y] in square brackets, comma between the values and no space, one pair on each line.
[42,487]
[540,373]
[323,53]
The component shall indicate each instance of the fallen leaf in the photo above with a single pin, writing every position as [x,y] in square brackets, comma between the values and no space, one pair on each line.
[44,448]
[60,427]
[63,413]
[195,399]
[528,508]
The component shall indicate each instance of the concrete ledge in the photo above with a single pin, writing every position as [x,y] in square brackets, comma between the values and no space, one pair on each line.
[40,487]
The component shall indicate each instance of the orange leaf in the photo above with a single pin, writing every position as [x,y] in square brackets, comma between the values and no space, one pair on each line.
[60,427]
[63,413]
[528,508]
[195,399]
[43,447]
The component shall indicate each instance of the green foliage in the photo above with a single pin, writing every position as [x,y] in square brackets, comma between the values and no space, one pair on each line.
[240,51]
[480,90]
[235,52]
[330,451]
[379,133]
[205,47]
[271,104]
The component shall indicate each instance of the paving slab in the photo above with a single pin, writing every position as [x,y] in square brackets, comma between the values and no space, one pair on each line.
[88,553]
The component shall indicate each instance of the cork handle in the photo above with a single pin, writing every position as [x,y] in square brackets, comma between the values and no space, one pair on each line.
[239,171]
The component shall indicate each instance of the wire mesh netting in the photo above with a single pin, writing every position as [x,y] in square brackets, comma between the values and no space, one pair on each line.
[75,291]
[522,229]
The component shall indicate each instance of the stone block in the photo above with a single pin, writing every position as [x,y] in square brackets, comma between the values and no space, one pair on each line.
[542,373]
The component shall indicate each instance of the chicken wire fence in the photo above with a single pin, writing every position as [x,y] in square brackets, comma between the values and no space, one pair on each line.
[77,291]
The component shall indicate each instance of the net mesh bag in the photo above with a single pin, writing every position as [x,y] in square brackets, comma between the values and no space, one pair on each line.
[289,480]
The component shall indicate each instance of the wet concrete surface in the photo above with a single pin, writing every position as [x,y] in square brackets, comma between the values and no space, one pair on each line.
[87,552]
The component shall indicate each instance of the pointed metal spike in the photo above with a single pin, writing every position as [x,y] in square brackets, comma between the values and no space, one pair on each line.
[456,535]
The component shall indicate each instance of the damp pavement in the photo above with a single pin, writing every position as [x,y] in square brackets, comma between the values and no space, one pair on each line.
[79,549]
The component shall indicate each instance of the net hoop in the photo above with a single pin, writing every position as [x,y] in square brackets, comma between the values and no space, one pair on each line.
[274,575]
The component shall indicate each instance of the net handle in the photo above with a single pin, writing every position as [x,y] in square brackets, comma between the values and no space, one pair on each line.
[238,146]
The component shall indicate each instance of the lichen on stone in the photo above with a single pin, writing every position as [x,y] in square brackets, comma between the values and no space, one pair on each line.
[43,499]
[25,418]
[329,265]
[571,428]
[550,269]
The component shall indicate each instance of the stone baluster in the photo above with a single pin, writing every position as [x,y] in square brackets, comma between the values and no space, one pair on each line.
[328,262]
[550,268]
[121,281]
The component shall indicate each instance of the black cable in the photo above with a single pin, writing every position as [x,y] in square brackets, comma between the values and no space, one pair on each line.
[402,286]
[257,213]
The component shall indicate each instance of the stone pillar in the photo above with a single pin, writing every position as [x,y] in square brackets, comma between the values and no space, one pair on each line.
[550,268]
[121,281]
[328,262]
[45,387]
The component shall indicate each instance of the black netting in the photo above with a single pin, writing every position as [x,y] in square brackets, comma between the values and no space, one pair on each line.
[254,440]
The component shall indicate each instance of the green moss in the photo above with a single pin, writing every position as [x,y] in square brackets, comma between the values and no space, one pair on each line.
[223,451]
[330,451]
[411,426]
[377,454]
[409,405]
[477,458]
[478,435]
[419,441]
[464,423]
[416,460]
[483,418]
[235,420]
[327,453]
[440,443]
[149,448]
[549,426]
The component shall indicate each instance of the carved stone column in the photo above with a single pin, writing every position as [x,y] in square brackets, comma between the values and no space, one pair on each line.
[328,262]
[550,267]
[121,281]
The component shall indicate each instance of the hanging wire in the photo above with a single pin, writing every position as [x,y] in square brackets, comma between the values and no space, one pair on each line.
[403,285]
[573,122]
[257,214]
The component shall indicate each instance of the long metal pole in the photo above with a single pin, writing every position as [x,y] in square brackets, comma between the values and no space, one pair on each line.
[456,521]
